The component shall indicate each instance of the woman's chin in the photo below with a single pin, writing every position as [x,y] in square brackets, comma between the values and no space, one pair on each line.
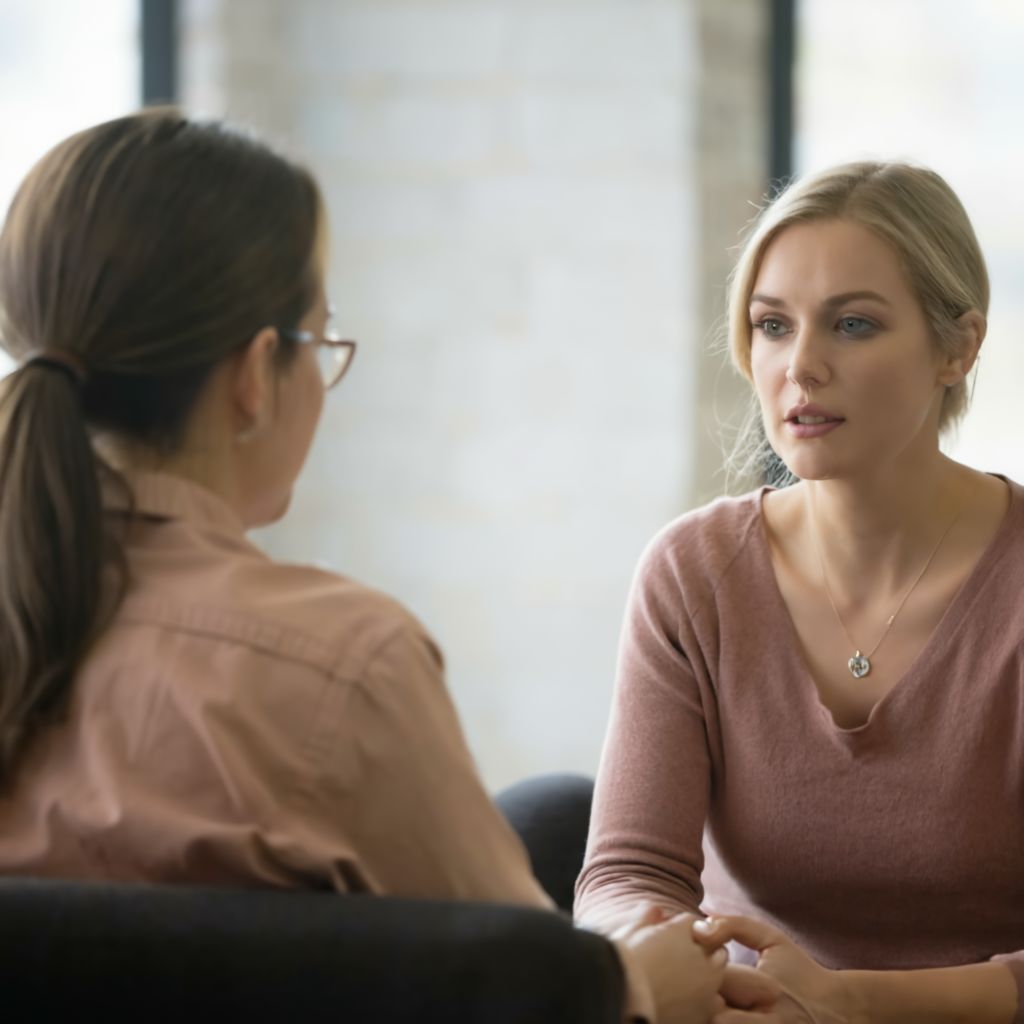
[805,467]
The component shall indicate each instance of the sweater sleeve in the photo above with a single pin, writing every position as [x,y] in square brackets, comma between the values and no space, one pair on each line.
[1015,962]
[652,791]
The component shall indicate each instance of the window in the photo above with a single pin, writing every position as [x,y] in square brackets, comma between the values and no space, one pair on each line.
[63,65]
[938,82]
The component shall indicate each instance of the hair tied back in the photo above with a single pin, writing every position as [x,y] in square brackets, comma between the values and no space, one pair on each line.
[65,362]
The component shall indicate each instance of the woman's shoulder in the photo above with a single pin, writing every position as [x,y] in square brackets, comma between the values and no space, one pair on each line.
[317,596]
[704,543]
[708,532]
[1016,490]
[348,622]
[1008,541]
[285,610]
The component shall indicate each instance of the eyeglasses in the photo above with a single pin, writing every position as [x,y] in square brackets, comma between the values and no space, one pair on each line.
[333,354]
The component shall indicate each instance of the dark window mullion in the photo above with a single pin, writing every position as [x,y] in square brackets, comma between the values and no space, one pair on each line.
[781,56]
[159,51]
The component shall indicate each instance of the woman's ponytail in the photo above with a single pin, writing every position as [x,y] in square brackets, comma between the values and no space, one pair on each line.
[54,548]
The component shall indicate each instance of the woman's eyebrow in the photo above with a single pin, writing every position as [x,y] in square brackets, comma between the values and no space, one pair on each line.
[767,300]
[838,300]
[833,300]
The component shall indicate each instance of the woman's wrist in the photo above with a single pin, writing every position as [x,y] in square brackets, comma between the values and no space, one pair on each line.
[854,996]
[835,997]
[983,993]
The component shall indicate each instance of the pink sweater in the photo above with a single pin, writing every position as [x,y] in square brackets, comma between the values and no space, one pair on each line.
[725,783]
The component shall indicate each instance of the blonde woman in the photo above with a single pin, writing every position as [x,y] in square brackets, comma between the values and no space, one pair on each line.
[819,714]
[175,706]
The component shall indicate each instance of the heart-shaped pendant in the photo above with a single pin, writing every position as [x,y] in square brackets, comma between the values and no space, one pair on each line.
[859,665]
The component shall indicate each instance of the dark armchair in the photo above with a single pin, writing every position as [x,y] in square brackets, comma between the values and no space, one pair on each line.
[160,953]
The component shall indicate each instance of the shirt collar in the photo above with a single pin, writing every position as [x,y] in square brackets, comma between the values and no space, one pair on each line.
[166,496]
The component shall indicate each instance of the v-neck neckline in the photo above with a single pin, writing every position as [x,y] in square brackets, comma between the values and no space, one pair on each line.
[944,633]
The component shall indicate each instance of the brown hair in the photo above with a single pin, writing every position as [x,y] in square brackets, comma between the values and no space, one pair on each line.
[144,250]
[918,214]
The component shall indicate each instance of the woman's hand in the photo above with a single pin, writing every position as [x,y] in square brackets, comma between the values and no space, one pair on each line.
[745,988]
[684,976]
[810,993]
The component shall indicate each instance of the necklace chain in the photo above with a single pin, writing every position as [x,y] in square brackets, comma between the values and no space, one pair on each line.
[860,664]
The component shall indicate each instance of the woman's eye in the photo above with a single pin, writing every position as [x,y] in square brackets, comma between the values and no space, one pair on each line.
[770,327]
[855,326]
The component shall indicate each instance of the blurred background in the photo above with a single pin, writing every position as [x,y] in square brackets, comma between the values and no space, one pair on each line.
[534,208]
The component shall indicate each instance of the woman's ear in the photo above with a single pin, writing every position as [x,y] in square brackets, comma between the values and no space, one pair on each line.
[252,388]
[972,327]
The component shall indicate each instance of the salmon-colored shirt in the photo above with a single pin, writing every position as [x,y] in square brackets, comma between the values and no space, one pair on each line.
[246,722]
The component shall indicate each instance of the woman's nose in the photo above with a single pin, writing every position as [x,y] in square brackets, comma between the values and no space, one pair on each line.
[808,366]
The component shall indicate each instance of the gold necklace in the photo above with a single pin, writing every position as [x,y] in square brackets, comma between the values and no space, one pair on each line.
[860,664]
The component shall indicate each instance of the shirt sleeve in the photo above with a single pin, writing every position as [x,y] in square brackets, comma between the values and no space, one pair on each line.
[399,785]
[417,817]
[652,791]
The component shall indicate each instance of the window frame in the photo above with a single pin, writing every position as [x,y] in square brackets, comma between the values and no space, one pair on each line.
[159,20]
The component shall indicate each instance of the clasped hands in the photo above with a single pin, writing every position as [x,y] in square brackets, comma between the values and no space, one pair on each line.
[694,983]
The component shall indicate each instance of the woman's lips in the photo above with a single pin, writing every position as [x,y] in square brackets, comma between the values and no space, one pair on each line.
[819,428]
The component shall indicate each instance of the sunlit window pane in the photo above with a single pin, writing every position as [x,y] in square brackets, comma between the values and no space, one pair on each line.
[64,65]
[937,82]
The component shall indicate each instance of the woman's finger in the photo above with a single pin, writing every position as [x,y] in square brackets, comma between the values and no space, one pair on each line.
[748,989]
[732,1016]
[755,935]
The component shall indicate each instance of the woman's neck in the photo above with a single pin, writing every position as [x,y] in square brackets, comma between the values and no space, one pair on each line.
[874,534]
[200,461]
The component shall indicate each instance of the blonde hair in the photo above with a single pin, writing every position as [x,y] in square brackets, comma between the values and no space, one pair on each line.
[911,208]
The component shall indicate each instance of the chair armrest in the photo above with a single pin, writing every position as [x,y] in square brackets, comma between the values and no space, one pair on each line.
[159,953]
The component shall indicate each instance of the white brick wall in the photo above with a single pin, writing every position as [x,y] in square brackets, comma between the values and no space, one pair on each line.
[520,244]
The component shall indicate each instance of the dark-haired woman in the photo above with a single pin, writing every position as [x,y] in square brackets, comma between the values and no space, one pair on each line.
[175,706]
